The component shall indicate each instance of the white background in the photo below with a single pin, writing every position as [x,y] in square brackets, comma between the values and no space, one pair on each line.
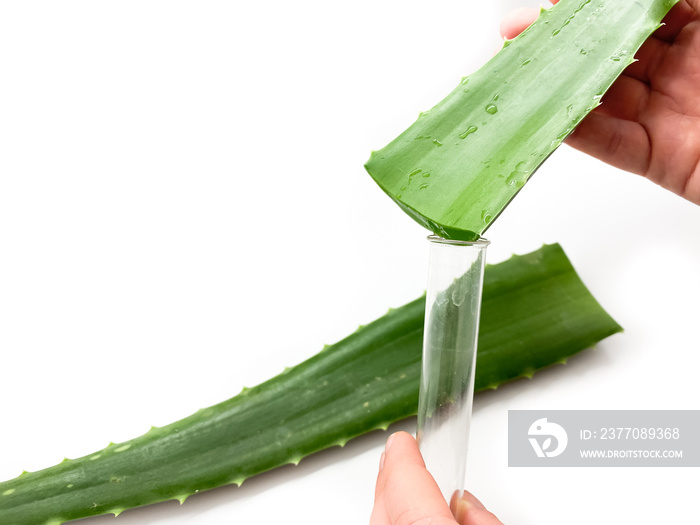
[184,211]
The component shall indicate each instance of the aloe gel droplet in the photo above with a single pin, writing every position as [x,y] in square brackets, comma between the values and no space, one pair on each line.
[469,131]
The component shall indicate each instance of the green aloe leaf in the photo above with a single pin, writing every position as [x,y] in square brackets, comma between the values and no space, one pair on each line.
[536,312]
[460,164]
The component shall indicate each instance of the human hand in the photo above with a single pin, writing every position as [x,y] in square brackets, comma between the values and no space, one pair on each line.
[649,120]
[406,493]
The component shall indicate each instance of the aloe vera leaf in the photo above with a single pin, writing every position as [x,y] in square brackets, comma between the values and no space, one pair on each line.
[536,312]
[460,164]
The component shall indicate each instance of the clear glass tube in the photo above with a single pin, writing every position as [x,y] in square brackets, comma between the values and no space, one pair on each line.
[453,305]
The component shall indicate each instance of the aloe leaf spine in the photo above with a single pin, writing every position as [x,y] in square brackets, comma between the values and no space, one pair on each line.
[536,312]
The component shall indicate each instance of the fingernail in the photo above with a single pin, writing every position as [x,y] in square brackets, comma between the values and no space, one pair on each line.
[459,509]
[461,504]
[386,450]
[471,500]
[389,441]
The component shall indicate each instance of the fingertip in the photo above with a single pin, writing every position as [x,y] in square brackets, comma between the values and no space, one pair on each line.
[472,500]
[402,445]
[402,439]
[468,510]
[400,434]
[403,448]
[404,487]
[517,21]
[389,441]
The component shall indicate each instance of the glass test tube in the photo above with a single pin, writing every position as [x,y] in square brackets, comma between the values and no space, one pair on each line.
[453,304]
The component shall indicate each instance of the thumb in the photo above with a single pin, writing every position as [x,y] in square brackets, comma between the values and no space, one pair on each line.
[406,493]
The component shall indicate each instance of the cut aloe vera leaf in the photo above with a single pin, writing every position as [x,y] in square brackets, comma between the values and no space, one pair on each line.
[460,164]
[536,312]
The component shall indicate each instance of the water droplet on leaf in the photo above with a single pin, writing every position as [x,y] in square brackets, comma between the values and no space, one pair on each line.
[467,132]
[458,297]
